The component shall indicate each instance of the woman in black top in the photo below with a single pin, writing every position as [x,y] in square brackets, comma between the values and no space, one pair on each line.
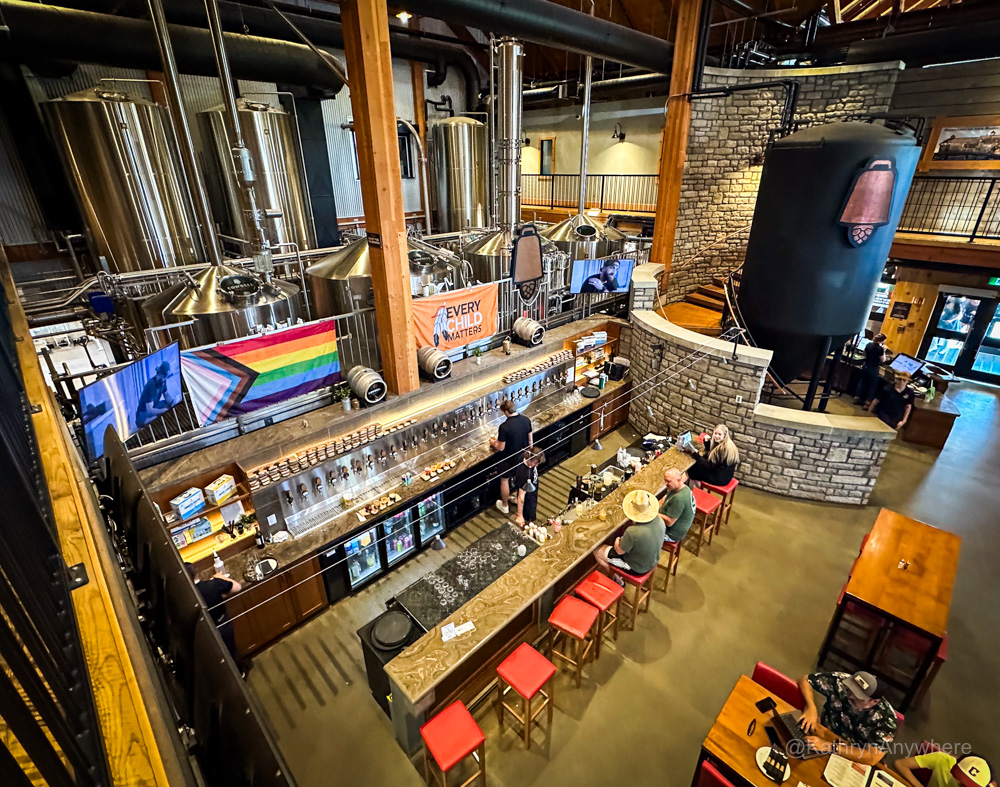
[894,404]
[526,484]
[868,384]
[717,460]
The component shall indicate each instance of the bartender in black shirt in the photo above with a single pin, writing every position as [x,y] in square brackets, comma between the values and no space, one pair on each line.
[868,384]
[513,436]
[215,591]
[526,484]
[895,403]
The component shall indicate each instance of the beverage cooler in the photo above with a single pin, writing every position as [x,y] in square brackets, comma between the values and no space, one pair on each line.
[364,558]
[428,517]
[396,534]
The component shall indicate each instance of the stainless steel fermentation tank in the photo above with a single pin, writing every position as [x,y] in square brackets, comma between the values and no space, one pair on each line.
[460,164]
[582,238]
[122,157]
[271,136]
[224,303]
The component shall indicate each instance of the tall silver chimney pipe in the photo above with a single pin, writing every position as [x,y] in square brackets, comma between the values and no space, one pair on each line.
[508,147]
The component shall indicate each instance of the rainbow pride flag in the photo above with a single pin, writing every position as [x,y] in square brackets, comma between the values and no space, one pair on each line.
[233,378]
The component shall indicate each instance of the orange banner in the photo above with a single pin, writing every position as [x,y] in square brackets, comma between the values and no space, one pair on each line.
[454,319]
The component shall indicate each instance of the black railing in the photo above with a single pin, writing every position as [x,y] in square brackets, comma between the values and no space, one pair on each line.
[604,192]
[231,740]
[962,207]
[45,696]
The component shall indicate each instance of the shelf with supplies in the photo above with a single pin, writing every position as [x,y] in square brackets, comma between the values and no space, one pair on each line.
[199,550]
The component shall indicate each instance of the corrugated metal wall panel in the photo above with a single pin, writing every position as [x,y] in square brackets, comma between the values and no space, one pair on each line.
[21,220]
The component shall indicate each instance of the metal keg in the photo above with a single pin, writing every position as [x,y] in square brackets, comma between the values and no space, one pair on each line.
[367,384]
[434,363]
[530,332]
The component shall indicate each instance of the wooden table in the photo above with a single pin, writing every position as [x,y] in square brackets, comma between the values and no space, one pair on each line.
[930,423]
[906,575]
[729,747]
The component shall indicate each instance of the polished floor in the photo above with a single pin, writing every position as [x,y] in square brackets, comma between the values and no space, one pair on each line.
[765,590]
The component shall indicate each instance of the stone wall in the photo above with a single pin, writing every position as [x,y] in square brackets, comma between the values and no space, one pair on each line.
[683,380]
[720,183]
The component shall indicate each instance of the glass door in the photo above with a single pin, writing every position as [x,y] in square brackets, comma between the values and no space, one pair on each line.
[986,363]
[363,558]
[950,326]
[397,533]
[430,518]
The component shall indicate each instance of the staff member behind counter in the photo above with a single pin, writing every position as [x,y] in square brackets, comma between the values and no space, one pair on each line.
[894,403]
[513,436]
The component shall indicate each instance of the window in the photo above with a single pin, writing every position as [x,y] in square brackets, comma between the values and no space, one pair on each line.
[547,156]
[405,153]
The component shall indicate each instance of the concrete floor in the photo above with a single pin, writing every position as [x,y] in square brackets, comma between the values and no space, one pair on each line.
[765,590]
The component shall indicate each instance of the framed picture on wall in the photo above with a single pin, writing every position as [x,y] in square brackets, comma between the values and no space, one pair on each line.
[971,142]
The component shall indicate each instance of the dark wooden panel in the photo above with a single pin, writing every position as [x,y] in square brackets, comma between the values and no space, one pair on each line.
[306,588]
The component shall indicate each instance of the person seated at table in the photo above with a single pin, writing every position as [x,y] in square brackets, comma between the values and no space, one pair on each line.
[868,384]
[716,460]
[677,508]
[525,481]
[894,403]
[851,712]
[637,550]
[969,770]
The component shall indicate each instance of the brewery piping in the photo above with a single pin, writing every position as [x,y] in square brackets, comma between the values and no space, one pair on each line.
[588,67]
[508,144]
[184,139]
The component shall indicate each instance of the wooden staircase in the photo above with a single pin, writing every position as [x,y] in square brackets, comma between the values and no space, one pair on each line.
[701,310]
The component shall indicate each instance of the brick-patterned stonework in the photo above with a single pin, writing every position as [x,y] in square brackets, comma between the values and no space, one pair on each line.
[719,189]
[690,381]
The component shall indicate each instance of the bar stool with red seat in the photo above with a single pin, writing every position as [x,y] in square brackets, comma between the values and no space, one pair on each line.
[707,515]
[604,593]
[526,671]
[573,618]
[727,493]
[643,584]
[673,550]
[449,738]
[710,776]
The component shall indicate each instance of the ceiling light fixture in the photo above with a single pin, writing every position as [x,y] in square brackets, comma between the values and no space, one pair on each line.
[618,133]
[404,16]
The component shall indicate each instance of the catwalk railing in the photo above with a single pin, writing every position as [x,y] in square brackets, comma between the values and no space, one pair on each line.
[964,207]
[49,728]
[605,193]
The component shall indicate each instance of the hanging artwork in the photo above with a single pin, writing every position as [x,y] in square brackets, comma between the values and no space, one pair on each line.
[869,200]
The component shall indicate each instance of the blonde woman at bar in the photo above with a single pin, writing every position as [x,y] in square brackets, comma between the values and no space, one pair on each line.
[717,460]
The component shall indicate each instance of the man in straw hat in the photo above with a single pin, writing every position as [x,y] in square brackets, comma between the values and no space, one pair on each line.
[968,770]
[637,550]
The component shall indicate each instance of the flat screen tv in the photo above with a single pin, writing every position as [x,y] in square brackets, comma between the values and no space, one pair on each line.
[130,398]
[601,276]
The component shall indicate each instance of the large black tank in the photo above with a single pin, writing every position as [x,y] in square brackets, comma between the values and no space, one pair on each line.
[829,201]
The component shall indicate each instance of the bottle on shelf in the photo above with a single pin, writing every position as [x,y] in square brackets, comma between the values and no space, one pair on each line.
[218,566]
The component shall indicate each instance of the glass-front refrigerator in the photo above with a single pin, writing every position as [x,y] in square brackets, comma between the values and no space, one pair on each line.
[363,559]
[397,535]
[429,516]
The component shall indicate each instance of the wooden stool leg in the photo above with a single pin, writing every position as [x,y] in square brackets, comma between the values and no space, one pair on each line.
[551,688]
[618,614]
[675,558]
[500,699]
[527,723]
[649,592]
[731,497]
[482,763]
[579,663]
[600,634]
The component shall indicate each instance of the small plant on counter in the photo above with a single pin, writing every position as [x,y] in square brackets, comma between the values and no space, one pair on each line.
[477,353]
[344,394]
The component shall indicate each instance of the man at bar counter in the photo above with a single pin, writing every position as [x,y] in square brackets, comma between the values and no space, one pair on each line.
[215,591]
[677,508]
[526,484]
[513,436]
[851,711]
[637,550]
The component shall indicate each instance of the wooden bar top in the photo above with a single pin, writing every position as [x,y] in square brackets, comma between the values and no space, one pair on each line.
[423,665]
[919,595]
[729,743]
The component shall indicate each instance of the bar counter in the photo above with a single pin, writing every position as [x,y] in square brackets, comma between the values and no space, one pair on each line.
[430,671]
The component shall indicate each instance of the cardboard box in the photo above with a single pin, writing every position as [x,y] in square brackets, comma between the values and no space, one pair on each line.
[200,528]
[220,489]
[187,503]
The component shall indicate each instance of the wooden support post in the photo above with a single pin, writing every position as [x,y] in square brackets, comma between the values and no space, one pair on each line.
[420,120]
[673,148]
[369,63]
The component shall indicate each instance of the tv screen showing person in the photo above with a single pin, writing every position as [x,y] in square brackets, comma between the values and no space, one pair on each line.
[601,276]
[131,398]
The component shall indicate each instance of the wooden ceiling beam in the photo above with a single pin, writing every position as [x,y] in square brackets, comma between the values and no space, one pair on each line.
[838,16]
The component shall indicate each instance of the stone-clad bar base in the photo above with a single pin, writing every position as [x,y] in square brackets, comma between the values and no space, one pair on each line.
[694,382]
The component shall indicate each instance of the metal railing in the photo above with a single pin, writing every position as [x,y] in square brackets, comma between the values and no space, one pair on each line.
[965,207]
[46,702]
[604,192]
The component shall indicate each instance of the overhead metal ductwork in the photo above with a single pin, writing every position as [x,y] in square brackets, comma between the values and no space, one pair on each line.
[550,24]
[940,45]
[45,33]
[322,32]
